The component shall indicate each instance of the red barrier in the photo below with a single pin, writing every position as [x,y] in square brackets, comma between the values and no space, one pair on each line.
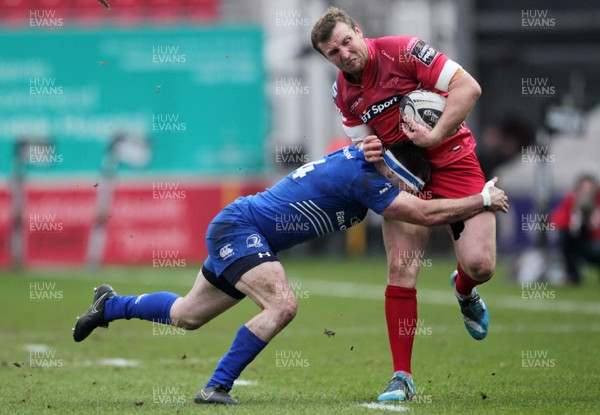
[5,227]
[160,224]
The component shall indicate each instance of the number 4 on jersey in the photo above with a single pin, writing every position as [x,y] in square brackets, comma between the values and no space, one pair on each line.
[301,171]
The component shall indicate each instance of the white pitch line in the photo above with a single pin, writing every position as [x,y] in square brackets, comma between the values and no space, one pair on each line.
[328,288]
[151,278]
[36,348]
[384,407]
[375,292]
[244,382]
[119,362]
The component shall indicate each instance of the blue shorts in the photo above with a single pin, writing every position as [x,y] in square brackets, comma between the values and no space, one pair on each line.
[235,246]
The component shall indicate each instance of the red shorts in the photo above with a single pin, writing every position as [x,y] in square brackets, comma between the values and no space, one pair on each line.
[459,179]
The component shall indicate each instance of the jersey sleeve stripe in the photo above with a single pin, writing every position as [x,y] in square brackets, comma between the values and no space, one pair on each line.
[448,71]
[307,217]
[320,221]
[323,215]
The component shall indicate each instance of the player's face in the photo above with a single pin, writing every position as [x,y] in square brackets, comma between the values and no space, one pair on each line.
[346,49]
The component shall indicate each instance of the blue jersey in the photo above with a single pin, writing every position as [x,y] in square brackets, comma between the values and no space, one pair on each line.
[327,195]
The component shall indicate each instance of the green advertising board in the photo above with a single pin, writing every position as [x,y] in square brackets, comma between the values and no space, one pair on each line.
[196,94]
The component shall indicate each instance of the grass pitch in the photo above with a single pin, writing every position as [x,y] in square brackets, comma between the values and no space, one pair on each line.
[541,355]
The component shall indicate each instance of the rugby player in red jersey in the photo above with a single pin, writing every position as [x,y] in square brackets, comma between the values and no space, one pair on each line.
[374,75]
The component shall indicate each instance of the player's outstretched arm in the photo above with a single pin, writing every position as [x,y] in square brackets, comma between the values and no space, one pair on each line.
[409,208]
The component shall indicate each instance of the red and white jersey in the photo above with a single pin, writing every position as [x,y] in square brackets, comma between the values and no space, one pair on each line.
[396,66]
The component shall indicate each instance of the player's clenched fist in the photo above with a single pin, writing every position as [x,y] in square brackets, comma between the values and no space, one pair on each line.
[498,201]
[373,148]
[418,134]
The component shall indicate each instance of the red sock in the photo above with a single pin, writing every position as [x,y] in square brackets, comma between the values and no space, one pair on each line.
[401,317]
[464,283]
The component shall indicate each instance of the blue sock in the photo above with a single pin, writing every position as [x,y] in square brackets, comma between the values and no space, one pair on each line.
[245,347]
[151,307]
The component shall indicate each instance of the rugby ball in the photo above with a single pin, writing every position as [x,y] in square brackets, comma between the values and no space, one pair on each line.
[425,107]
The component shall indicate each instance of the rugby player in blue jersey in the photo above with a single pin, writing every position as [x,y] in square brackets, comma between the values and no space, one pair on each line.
[327,195]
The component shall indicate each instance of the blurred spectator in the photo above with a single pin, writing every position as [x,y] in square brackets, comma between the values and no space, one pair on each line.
[501,141]
[577,219]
